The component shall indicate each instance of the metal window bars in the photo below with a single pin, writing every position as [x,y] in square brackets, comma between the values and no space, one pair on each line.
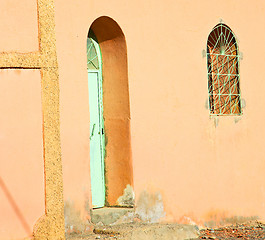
[223,72]
[92,57]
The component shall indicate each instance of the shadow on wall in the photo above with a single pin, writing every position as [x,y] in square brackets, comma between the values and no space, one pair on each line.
[15,207]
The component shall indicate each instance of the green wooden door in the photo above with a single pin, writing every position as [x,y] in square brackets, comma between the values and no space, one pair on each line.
[97,140]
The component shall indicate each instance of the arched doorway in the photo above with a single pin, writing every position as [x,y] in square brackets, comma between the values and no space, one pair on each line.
[114,112]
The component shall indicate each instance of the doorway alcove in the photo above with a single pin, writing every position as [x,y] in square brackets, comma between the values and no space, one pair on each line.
[116,108]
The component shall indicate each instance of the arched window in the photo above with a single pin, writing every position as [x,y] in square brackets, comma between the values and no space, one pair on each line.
[223,72]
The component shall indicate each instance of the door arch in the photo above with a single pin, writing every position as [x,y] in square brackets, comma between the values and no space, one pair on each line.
[116,114]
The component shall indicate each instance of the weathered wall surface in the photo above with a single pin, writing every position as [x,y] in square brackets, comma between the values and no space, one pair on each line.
[197,168]
[202,170]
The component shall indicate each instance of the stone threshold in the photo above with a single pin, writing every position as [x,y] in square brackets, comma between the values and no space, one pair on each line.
[111,215]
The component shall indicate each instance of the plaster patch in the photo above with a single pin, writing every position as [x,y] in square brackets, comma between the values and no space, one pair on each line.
[216,121]
[229,220]
[150,207]
[128,197]
[203,53]
[73,219]
[217,218]
[237,119]
[241,55]
[207,104]
[243,103]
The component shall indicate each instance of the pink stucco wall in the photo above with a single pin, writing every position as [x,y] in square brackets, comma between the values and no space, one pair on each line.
[204,168]
[19,26]
[202,171]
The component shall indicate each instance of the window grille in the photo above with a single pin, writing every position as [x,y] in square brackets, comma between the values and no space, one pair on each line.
[92,57]
[223,72]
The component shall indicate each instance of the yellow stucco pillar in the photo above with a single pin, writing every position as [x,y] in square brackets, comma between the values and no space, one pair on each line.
[51,226]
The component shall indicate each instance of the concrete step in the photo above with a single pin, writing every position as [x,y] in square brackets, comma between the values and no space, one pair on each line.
[111,215]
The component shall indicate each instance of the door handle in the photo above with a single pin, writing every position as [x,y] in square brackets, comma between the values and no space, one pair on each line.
[102,131]
[92,133]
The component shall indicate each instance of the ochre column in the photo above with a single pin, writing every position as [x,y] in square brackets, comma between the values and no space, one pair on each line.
[51,226]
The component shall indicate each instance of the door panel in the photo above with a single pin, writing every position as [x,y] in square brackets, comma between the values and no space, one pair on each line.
[96,154]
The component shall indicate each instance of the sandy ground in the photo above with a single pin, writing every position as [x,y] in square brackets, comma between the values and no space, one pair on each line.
[140,231]
[250,230]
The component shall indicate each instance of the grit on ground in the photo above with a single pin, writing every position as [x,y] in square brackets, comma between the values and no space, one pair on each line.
[139,231]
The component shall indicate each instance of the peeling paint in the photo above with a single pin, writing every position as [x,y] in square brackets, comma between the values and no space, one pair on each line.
[128,197]
[216,121]
[243,103]
[228,221]
[206,105]
[218,218]
[237,119]
[150,207]
[203,53]
[74,223]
